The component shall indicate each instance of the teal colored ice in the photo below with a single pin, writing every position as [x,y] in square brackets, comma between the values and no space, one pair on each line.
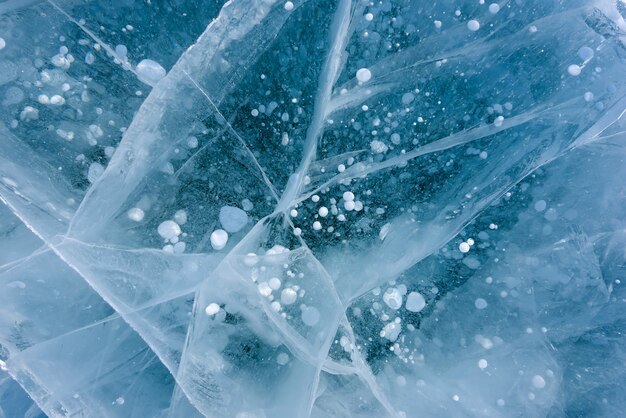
[312,208]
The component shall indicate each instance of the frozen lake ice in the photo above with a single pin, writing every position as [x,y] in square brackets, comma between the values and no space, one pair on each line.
[312,208]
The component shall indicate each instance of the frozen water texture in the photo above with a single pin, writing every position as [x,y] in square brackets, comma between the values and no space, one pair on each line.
[312,208]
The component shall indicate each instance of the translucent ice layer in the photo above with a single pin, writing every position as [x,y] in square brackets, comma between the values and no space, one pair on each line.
[312,208]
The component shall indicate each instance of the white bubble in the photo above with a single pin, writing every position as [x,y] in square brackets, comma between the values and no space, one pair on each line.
[482,363]
[219,238]
[150,72]
[288,6]
[57,100]
[247,205]
[180,217]
[415,302]
[250,259]
[585,53]
[179,247]
[540,205]
[574,70]
[407,98]
[464,247]
[274,283]
[494,8]
[169,229]
[29,113]
[363,75]
[378,147]
[232,218]
[95,171]
[480,303]
[473,25]
[192,142]
[135,214]
[212,309]
[282,359]
[393,298]
[264,289]
[2,43]
[391,331]
[539,382]
[288,296]
[310,316]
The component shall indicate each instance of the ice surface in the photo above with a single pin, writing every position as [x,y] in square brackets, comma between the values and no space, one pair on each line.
[312,208]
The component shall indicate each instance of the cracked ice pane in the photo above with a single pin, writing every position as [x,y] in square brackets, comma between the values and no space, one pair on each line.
[312,208]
